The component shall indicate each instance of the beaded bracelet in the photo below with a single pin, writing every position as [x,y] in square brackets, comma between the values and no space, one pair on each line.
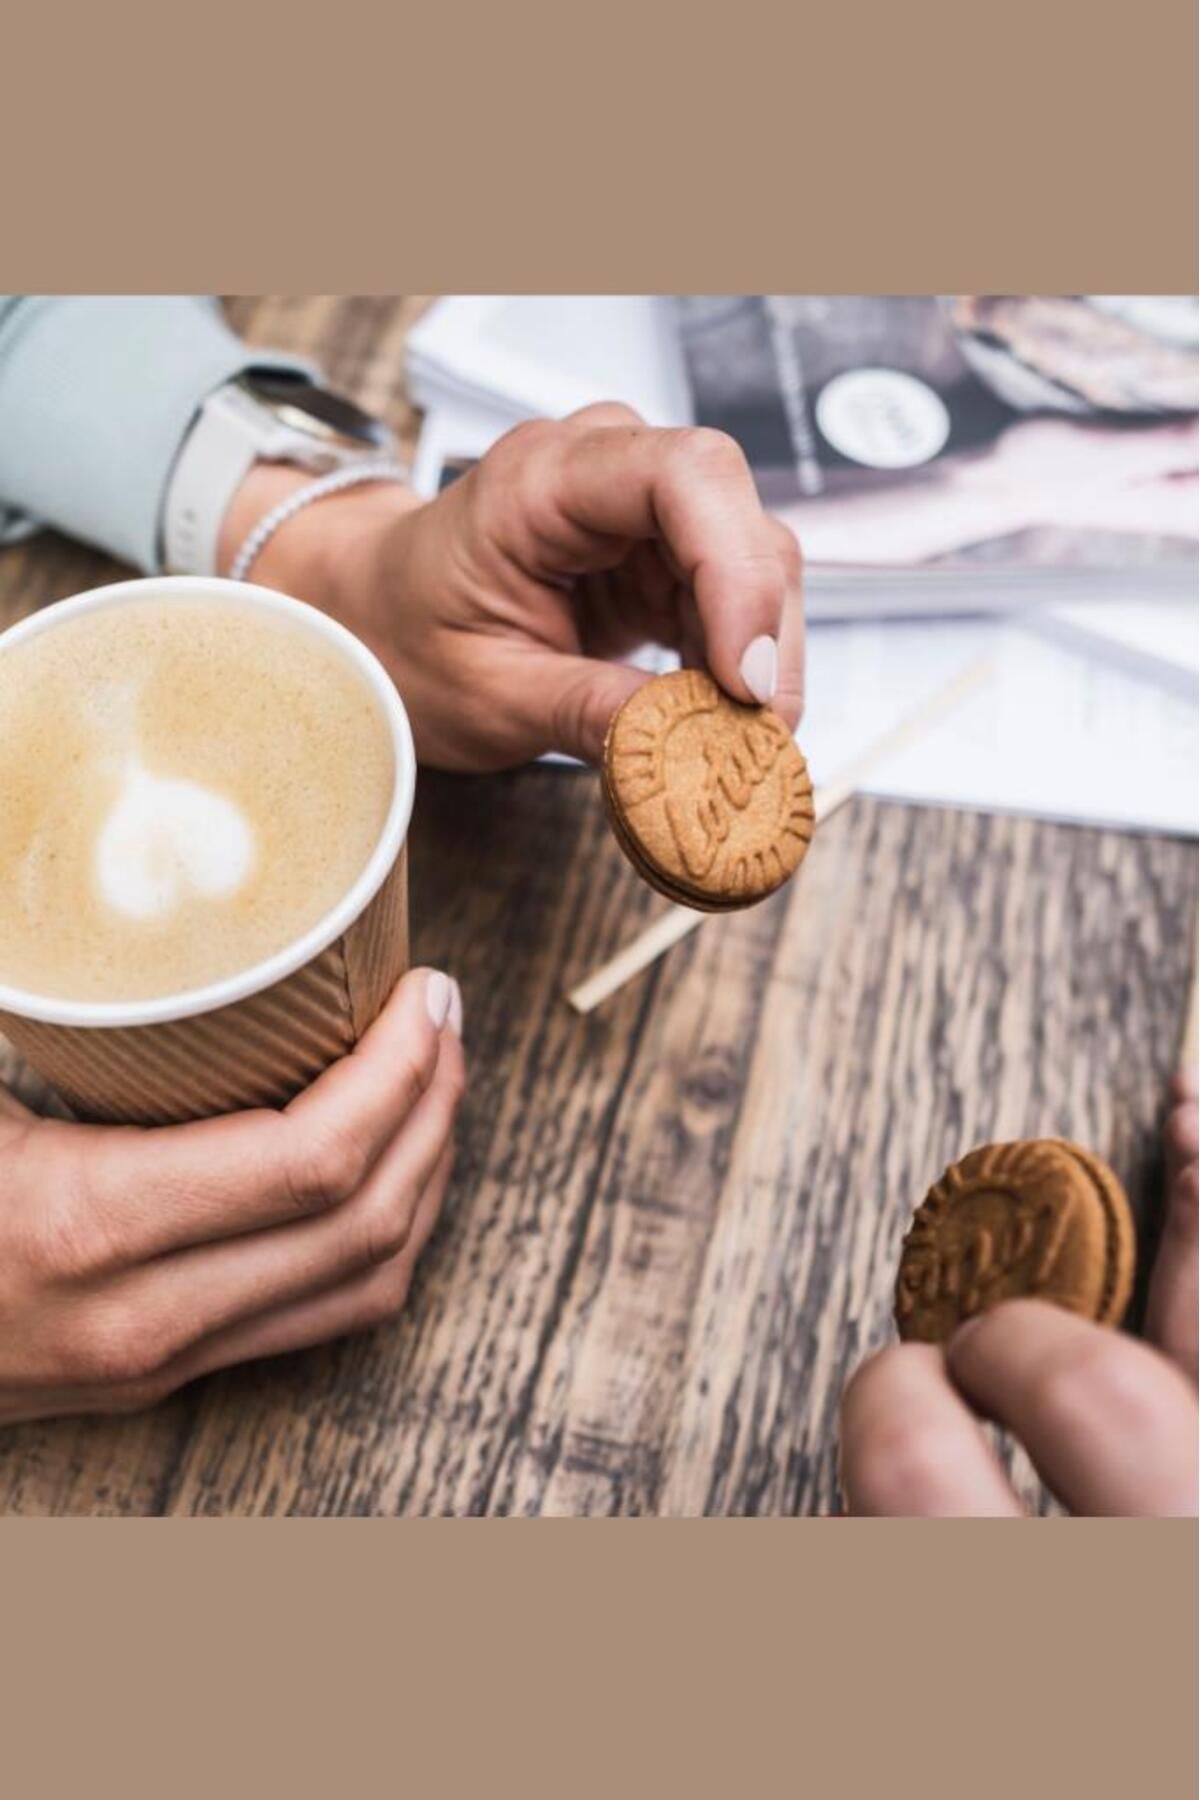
[333,483]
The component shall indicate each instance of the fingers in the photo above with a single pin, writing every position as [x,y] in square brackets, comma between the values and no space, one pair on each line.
[1172,1301]
[579,696]
[205,1289]
[146,1192]
[1110,1424]
[358,1304]
[1183,1122]
[693,491]
[602,413]
[911,1448]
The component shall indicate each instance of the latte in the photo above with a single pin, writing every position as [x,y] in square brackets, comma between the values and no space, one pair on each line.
[186,787]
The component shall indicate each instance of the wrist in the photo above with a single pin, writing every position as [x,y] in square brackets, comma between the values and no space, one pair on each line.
[313,555]
[264,487]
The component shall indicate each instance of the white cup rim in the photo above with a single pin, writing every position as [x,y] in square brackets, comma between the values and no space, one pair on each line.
[261,975]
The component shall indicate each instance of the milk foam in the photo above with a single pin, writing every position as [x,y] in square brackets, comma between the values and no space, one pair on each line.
[167,841]
[186,787]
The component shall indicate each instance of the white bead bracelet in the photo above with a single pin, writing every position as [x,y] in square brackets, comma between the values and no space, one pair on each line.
[333,483]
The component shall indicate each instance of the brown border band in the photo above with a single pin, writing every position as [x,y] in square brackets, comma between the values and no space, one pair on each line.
[580,1657]
[1042,146]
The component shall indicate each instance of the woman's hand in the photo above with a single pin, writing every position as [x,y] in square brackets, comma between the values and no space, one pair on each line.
[1110,1423]
[133,1260]
[500,606]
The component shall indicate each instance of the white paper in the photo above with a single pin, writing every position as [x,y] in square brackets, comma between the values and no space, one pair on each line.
[548,354]
[1159,638]
[1054,734]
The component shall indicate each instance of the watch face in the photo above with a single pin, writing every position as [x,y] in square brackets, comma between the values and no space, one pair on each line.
[297,402]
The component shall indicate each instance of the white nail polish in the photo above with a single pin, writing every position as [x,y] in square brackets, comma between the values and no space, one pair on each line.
[437,997]
[760,667]
[456,1008]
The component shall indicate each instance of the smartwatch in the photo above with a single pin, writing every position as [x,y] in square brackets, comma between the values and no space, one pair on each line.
[261,416]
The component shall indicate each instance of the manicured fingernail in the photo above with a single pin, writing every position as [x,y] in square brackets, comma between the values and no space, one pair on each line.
[456,1010]
[438,997]
[760,667]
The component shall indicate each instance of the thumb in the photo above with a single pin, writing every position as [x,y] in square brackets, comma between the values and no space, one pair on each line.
[576,698]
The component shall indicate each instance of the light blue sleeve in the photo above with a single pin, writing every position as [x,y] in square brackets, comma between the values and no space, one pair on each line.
[97,393]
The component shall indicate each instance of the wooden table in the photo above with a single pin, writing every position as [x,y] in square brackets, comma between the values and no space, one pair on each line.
[674,1225]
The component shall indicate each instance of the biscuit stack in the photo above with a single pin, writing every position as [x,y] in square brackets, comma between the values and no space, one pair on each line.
[1042,1219]
[710,800]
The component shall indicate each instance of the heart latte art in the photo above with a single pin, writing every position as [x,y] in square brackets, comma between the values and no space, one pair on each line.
[167,841]
[186,787]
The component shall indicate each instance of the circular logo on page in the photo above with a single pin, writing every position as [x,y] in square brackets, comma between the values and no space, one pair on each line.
[883,418]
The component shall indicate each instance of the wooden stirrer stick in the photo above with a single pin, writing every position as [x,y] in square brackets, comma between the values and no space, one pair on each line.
[673,925]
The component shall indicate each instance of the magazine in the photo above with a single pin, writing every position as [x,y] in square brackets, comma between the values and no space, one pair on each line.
[954,434]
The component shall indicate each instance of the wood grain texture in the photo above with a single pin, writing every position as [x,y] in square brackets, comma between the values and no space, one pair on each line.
[674,1225]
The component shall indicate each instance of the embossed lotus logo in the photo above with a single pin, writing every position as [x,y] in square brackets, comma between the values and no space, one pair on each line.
[711,799]
[979,1238]
[732,773]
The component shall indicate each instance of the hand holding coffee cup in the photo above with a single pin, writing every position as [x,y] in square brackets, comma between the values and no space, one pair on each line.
[133,1261]
[204,796]
[207,790]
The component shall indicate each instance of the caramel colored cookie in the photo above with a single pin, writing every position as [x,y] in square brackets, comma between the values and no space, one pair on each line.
[1041,1218]
[710,800]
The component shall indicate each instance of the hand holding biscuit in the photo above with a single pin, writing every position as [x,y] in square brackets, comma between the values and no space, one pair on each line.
[504,607]
[1109,1422]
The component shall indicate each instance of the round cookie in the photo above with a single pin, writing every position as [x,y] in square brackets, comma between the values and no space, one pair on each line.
[710,800]
[1040,1218]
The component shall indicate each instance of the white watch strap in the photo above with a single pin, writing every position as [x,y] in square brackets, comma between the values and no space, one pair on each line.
[217,454]
[231,434]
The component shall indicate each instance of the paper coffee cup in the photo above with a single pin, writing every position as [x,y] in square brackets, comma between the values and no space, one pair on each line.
[258,1037]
